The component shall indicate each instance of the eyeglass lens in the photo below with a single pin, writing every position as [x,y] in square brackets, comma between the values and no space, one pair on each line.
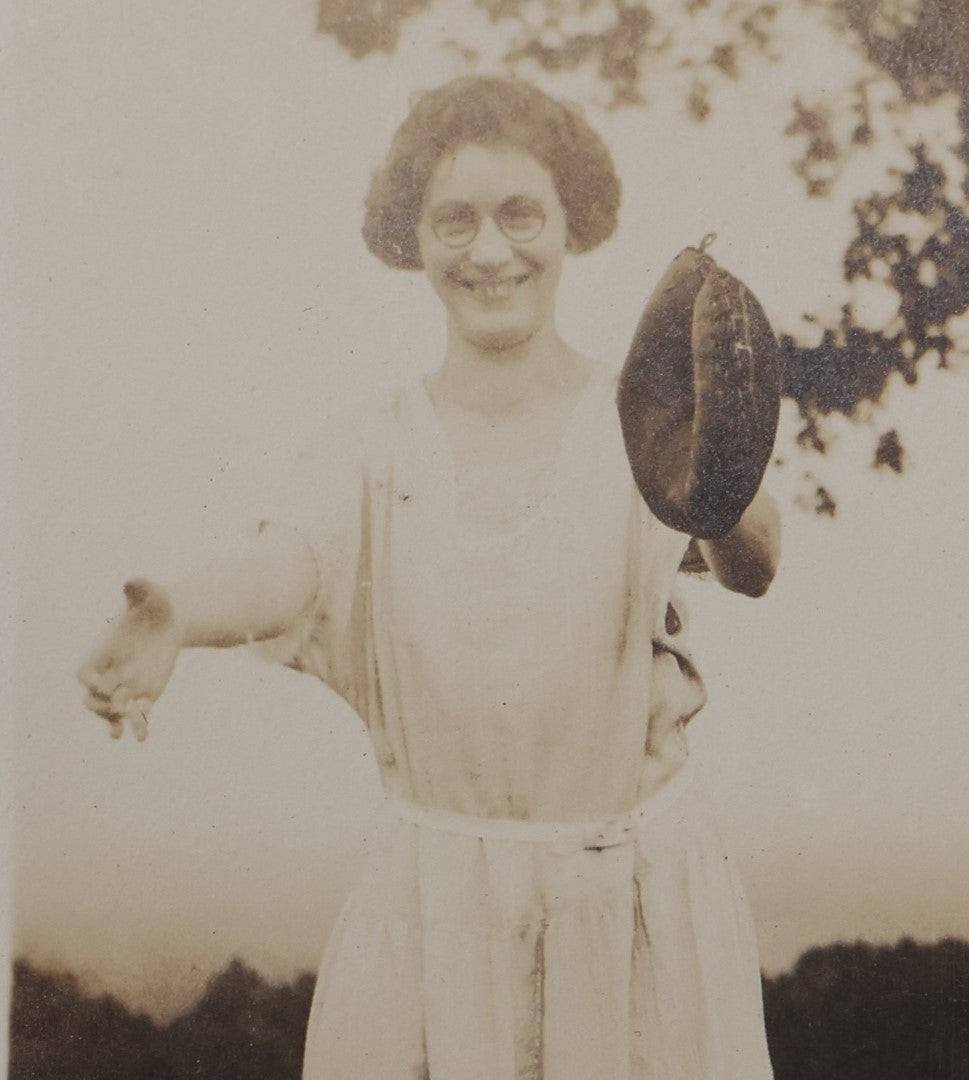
[519,219]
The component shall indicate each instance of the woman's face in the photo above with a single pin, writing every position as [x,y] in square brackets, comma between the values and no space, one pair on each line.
[492,236]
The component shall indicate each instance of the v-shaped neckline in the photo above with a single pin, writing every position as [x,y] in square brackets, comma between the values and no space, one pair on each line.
[574,420]
[436,444]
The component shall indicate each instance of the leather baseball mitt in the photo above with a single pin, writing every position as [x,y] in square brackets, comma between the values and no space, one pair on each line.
[699,397]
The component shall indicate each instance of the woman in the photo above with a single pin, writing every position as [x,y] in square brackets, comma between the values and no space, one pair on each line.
[474,571]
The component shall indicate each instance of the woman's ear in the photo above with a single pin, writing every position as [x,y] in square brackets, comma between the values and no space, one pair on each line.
[572,246]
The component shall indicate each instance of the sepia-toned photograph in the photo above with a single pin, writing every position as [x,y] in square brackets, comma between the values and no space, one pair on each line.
[490,545]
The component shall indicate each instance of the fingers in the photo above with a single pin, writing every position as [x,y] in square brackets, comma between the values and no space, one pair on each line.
[108,682]
[118,707]
[137,716]
[121,698]
[128,670]
[104,669]
[93,677]
[103,706]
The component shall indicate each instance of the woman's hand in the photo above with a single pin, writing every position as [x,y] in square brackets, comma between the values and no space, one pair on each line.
[745,560]
[266,582]
[126,674]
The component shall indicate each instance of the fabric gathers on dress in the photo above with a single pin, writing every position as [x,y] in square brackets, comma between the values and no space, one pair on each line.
[552,901]
[482,957]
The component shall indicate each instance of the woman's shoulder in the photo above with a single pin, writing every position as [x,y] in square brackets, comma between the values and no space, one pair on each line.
[348,434]
[601,373]
[592,372]
[601,386]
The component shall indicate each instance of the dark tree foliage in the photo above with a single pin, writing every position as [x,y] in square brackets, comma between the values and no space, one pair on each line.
[370,26]
[844,1012]
[58,1031]
[923,45]
[865,1012]
[242,1028]
[853,363]
[617,51]
[618,48]
[889,453]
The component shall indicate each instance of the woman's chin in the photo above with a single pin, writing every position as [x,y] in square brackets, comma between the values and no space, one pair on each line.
[498,339]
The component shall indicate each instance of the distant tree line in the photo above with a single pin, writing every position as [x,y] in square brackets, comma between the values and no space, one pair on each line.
[844,1012]
[865,1012]
[242,1028]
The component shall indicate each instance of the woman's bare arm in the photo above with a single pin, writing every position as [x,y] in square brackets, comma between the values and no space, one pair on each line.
[745,560]
[256,592]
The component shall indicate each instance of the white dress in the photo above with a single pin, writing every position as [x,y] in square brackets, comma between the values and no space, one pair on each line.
[552,901]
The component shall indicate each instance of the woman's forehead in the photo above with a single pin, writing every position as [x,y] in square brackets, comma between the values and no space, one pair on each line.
[495,170]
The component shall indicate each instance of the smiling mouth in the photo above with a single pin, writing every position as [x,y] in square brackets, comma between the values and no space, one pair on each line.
[491,289]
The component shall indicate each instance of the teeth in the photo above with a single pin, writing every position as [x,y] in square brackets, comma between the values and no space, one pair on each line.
[495,290]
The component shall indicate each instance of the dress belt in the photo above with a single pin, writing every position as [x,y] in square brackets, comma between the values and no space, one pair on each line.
[595,835]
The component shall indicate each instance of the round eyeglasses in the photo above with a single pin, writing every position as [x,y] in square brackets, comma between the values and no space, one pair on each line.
[456,224]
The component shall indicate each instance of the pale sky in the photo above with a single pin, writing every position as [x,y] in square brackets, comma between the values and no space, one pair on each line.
[195,302]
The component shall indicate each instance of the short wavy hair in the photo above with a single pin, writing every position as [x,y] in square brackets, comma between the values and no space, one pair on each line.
[486,111]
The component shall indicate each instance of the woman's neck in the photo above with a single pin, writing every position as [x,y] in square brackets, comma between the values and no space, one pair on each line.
[502,382]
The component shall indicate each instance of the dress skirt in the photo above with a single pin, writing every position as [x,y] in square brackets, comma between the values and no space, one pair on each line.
[497,949]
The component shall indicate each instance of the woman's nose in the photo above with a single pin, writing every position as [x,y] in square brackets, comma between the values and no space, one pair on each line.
[490,246]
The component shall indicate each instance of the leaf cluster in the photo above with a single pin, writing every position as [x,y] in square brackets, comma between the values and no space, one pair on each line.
[928,269]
